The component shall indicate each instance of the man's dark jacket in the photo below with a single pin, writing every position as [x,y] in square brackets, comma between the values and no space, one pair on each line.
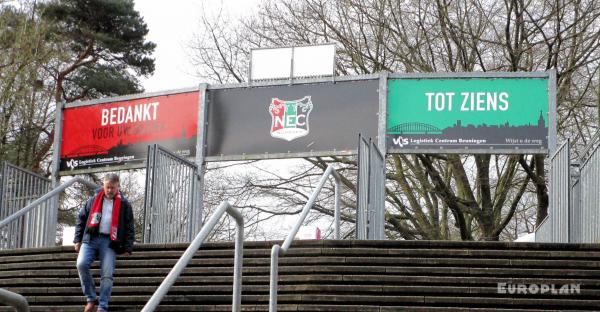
[125,231]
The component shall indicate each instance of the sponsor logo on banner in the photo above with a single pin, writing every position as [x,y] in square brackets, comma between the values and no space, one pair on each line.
[400,141]
[72,163]
[289,119]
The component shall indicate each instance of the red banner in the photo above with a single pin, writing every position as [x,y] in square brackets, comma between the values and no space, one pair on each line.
[119,132]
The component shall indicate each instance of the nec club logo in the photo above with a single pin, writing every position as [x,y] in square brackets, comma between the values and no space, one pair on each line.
[289,119]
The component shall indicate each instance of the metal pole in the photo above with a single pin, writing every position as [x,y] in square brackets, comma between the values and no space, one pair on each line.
[201,146]
[306,209]
[2,190]
[370,219]
[362,192]
[158,216]
[191,176]
[238,260]
[552,113]
[3,233]
[277,250]
[36,221]
[177,204]
[337,200]
[147,195]
[249,74]
[568,205]
[53,214]
[377,198]
[153,221]
[381,150]
[20,202]
[274,277]
[589,185]
[164,287]
[334,63]
[382,115]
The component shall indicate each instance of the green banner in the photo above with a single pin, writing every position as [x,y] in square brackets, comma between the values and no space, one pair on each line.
[468,113]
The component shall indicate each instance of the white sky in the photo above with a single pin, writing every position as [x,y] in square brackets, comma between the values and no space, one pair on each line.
[172,25]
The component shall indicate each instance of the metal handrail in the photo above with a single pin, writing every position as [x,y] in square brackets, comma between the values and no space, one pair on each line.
[589,149]
[14,300]
[164,287]
[281,250]
[542,223]
[42,199]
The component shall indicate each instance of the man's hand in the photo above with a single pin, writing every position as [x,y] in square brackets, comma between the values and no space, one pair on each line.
[77,247]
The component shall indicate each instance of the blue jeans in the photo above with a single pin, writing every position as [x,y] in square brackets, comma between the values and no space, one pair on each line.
[87,254]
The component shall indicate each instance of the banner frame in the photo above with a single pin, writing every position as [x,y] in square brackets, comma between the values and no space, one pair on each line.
[99,169]
[550,75]
[129,97]
[384,79]
[297,81]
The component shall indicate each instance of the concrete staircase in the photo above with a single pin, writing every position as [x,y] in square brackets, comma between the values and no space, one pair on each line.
[327,276]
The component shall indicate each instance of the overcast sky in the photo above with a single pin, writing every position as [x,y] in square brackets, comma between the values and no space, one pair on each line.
[172,25]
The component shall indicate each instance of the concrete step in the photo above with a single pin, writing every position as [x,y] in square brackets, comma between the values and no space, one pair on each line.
[472,291]
[325,276]
[321,269]
[287,307]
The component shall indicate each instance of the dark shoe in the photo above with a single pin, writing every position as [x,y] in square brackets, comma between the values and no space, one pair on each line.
[90,307]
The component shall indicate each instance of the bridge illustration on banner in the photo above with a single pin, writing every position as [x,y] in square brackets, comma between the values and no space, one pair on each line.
[414,127]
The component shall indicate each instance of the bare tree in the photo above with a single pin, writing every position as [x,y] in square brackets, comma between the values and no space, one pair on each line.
[270,198]
[437,196]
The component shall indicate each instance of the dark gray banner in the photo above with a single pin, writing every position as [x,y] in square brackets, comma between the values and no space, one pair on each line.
[263,122]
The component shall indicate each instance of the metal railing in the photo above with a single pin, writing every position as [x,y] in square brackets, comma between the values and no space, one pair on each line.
[19,187]
[589,190]
[560,194]
[370,209]
[574,210]
[171,186]
[543,232]
[14,300]
[277,250]
[362,189]
[15,217]
[575,214]
[164,287]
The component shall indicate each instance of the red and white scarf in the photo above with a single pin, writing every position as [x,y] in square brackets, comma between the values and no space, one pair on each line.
[96,214]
